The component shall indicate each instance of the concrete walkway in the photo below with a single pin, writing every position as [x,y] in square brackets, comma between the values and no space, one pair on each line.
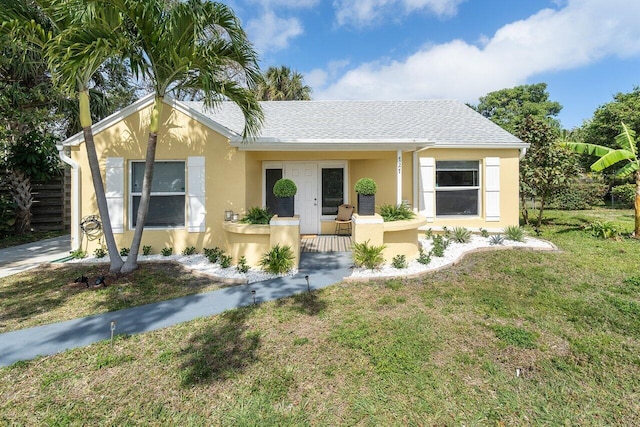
[17,259]
[323,269]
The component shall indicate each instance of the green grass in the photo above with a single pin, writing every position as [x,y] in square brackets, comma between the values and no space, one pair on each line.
[49,294]
[504,338]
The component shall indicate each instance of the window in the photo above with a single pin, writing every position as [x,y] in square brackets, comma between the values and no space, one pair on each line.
[271,176]
[457,187]
[332,190]
[167,204]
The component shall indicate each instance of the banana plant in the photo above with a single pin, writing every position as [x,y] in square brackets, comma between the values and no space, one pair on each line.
[626,155]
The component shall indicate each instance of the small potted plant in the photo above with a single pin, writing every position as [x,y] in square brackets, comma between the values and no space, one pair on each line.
[366,189]
[285,190]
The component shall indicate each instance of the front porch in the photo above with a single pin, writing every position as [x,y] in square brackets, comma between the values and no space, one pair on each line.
[325,243]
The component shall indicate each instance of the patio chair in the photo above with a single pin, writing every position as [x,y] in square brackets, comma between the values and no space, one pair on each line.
[343,220]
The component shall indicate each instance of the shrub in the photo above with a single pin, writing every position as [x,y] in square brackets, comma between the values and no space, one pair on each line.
[496,239]
[399,262]
[284,187]
[484,232]
[396,212]
[189,250]
[368,256]
[166,251]
[278,260]
[603,230]
[213,254]
[578,195]
[625,194]
[514,232]
[124,251]
[146,250]
[366,187]
[257,215]
[428,233]
[100,253]
[440,243]
[242,266]
[225,260]
[460,235]
[424,258]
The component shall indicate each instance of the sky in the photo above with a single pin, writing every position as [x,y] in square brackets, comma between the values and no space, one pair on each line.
[585,50]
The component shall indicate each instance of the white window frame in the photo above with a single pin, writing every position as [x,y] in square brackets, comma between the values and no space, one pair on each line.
[177,193]
[478,188]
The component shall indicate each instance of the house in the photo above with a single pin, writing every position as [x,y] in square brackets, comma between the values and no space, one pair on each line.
[453,166]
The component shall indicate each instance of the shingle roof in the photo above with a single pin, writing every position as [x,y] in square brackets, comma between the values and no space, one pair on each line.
[443,122]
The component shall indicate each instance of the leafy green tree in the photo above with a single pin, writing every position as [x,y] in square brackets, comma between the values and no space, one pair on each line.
[75,39]
[508,108]
[626,154]
[547,166]
[604,126]
[283,84]
[192,45]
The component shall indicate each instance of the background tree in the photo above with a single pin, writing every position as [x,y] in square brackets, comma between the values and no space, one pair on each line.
[193,46]
[508,108]
[283,84]
[604,126]
[627,154]
[75,39]
[546,168]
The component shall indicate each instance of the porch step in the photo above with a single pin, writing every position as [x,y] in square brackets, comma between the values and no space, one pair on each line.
[328,243]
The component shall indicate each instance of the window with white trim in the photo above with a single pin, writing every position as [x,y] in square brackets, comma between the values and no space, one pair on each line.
[167,204]
[457,188]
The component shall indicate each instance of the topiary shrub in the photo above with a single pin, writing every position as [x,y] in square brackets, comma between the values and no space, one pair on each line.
[284,187]
[366,187]
[625,194]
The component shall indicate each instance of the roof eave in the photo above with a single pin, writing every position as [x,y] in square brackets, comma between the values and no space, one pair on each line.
[346,144]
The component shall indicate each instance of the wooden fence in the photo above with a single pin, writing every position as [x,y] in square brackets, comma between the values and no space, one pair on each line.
[52,203]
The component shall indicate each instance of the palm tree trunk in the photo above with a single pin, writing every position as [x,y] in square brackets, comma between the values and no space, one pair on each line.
[101,199]
[98,186]
[636,231]
[22,194]
[132,259]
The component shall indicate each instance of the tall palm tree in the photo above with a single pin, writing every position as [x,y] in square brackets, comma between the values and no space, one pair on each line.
[192,45]
[627,154]
[76,39]
[283,84]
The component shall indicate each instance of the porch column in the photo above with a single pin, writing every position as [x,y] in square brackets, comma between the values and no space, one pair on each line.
[399,177]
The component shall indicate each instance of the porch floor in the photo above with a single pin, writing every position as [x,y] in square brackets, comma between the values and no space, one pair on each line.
[327,243]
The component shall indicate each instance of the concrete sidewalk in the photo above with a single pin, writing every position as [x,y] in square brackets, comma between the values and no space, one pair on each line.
[323,269]
[17,259]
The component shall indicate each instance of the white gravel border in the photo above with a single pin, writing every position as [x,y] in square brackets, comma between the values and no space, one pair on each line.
[454,253]
[198,263]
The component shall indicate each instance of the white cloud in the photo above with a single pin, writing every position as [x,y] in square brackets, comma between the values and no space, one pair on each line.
[581,33]
[369,12]
[269,32]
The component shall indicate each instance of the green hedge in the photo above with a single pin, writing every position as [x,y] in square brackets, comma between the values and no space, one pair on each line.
[625,194]
[578,196]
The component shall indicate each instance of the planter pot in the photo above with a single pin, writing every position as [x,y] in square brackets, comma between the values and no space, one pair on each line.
[366,204]
[285,206]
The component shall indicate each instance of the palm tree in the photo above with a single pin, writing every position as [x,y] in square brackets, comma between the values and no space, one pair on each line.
[76,39]
[187,46]
[627,153]
[283,84]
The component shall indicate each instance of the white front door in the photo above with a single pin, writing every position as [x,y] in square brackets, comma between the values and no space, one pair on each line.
[305,175]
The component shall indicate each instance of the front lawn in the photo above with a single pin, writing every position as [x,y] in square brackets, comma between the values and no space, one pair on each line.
[505,338]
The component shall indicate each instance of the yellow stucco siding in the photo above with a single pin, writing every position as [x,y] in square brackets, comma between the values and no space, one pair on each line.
[179,138]
[509,186]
